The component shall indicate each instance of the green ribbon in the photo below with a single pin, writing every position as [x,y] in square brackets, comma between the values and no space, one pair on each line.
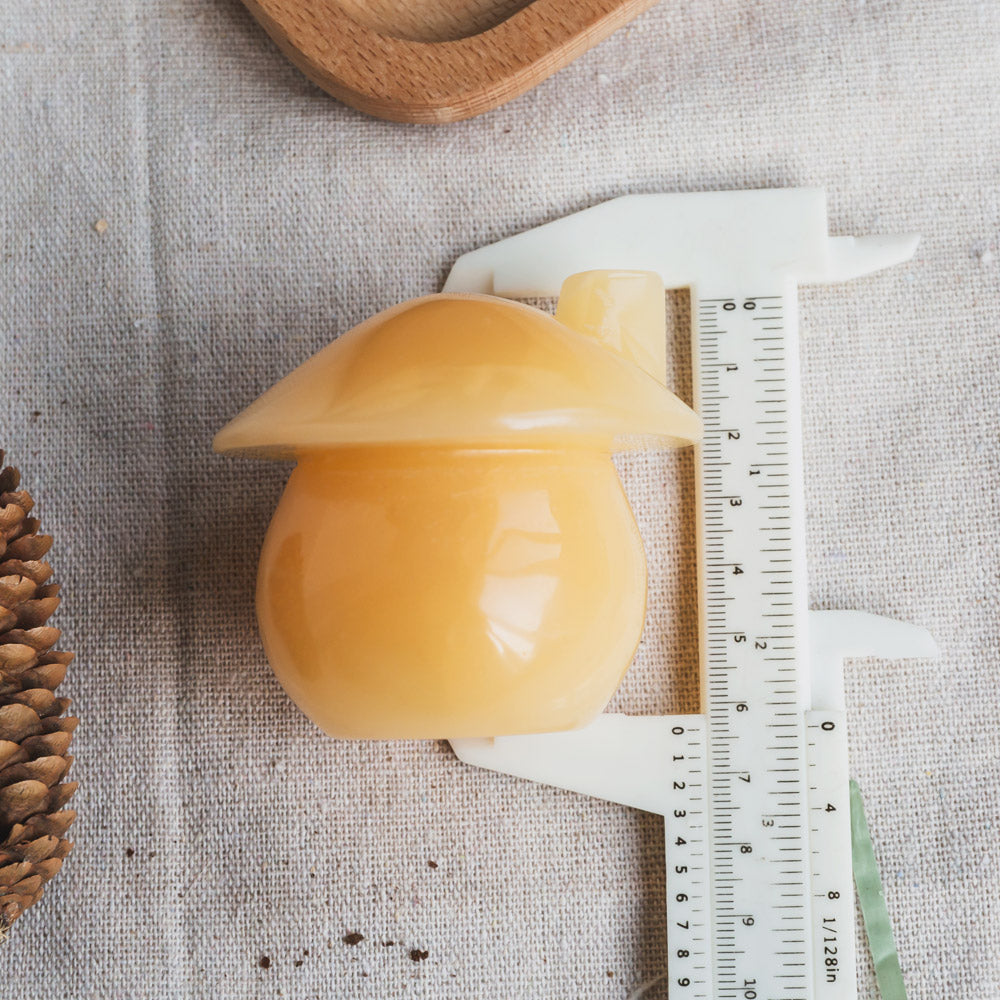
[871,895]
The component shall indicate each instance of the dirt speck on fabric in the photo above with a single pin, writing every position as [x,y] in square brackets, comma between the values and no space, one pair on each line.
[416,955]
[264,962]
[129,852]
[353,938]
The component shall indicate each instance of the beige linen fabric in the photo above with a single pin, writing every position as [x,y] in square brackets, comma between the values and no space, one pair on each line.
[250,218]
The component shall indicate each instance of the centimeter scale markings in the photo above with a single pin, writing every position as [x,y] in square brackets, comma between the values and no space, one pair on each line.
[753,593]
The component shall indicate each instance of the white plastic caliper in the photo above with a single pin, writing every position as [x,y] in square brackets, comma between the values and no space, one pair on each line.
[754,790]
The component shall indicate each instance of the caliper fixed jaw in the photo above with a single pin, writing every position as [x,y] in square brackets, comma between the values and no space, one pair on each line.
[741,254]
[688,239]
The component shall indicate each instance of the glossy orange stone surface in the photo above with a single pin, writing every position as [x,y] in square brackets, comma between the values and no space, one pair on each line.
[453,554]
[429,592]
[461,369]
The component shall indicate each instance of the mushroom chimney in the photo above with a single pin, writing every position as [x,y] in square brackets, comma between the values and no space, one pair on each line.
[624,310]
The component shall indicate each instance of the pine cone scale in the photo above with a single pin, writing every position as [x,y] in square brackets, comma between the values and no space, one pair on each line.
[49,743]
[32,614]
[18,722]
[33,883]
[11,753]
[12,874]
[48,770]
[30,548]
[40,638]
[16,657]
[46,675]
[17,498]
[32,850]
[12,516]
[39,700]
[15,589]
[21,800]
[36,571]
[52,726]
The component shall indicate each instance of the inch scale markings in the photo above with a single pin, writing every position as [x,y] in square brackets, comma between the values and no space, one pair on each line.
[752,638]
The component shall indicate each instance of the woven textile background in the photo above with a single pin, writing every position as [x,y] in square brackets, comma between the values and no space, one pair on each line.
[250,218]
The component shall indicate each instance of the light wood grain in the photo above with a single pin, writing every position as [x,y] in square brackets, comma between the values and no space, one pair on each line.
[430,60]
[430,20]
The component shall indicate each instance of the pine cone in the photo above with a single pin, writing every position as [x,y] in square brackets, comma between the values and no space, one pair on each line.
[34,735]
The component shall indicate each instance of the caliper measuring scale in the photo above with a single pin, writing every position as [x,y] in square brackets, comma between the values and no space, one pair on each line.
[754,790]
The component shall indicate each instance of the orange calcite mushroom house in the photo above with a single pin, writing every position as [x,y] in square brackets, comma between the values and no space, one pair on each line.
[454,554]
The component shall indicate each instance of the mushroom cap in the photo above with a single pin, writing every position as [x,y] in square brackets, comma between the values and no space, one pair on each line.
[461,370]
